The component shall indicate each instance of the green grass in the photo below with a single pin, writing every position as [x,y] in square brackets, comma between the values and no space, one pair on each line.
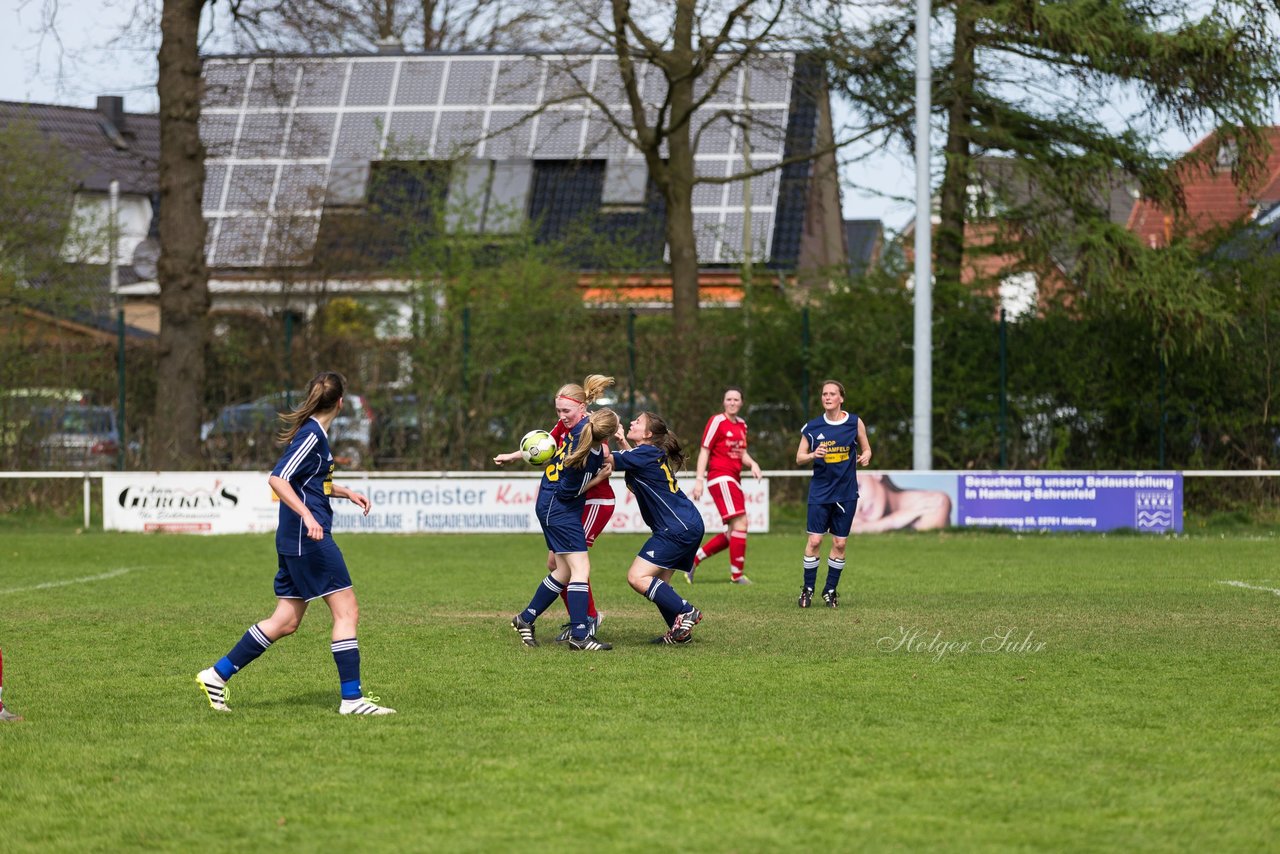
[1146,721]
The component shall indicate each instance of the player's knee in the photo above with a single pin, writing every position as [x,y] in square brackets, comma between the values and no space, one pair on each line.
[286,627]
[815,543]
[638,580]
[838,545]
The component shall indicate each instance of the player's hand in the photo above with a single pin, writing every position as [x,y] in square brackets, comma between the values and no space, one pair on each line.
[696,492]
[503,459]
[314,530]
[755,470]
[360,501]
[820,452]
[864,457]
[606,469]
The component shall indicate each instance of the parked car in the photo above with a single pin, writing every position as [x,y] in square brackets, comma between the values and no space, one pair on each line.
[244,434]
[76,436]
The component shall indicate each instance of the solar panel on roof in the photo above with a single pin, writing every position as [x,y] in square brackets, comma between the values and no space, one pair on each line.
[359,136]
[409,137]
[469,81]
[370,84]
[273,84]
[509,134]
[322,83]
[419,84]
[364,101]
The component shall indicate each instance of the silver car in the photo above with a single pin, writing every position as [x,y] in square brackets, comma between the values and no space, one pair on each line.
[77,436]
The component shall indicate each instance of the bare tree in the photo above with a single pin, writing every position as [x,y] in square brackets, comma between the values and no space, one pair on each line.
[432,25]
[695,60]
[182,273]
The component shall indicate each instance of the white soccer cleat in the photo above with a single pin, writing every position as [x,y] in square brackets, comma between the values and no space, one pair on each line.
[364,706]
[215,689]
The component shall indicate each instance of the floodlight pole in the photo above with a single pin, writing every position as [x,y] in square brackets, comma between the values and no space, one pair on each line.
[113,264]
[922,427]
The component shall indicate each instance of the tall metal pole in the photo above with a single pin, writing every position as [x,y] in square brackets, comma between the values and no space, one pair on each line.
[631,363]
[922,422]
[1004,392]
[113,264]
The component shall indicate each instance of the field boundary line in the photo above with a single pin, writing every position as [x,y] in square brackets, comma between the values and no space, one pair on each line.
[1252,587]
[115,573]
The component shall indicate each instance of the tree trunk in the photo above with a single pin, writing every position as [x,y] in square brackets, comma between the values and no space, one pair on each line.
[679,185]
[954,202]
[182,274]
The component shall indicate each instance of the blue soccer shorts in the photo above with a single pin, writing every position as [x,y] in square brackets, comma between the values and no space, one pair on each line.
[313,575]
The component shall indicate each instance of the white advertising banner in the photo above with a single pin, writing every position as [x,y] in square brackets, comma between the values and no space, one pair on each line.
[188,502]
[241,502]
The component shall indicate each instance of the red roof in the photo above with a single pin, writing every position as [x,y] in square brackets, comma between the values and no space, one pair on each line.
[1213,199]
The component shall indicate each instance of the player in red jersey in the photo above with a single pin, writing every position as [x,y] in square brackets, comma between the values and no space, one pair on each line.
[720,461]
[572,401]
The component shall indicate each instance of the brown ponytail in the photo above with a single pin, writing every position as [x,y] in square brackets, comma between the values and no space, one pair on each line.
[323,393]
[601,424]
[664,440]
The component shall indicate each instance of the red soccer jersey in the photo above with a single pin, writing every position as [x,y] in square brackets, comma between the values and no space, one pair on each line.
[600,490]
[726,440]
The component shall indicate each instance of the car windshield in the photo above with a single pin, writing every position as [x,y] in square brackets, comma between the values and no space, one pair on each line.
[79,419]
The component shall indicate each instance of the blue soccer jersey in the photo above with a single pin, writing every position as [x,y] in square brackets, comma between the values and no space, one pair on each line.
[566,483]
[308,466]
[835,476]
[663,506]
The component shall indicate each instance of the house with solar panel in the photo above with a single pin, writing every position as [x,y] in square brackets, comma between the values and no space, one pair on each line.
[321,170]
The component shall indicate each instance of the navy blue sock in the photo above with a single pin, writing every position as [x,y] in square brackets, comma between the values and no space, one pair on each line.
[346,654]
[810,571]
[667,614]
[253,644]
[666,598]
[548,591]
[835,566]
[577,602]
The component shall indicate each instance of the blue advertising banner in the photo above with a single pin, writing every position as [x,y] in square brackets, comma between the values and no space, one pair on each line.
[1071,501]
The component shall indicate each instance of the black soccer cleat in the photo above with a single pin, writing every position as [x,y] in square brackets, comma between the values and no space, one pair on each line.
[668,639]
[524,629]
[831,598]
[806,597]
[588,644]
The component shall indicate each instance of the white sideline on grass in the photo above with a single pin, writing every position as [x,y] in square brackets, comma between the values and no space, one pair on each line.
[85,580]
[1251,587]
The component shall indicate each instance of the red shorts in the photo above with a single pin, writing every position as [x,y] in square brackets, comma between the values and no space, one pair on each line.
[595,516]
[726,492]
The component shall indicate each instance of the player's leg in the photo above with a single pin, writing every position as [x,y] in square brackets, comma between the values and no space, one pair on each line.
[6,716]
[841,523]
[578,566]
[816,526]
[284,621]
[346,655]
[563,534]
[738,549]
[646,577]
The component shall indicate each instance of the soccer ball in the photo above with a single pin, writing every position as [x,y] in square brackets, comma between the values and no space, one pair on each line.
[537,447]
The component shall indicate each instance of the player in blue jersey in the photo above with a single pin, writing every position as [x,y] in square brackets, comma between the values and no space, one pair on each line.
[828,442]
[310,564]
[561,498]
[650,473]
[571,404]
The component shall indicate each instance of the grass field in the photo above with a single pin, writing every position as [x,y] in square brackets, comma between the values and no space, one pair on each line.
[1142,713]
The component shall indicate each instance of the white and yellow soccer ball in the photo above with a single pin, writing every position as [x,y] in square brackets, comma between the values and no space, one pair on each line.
[537,447]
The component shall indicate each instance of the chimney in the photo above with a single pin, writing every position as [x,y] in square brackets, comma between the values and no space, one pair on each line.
[389,45]
[112,109]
